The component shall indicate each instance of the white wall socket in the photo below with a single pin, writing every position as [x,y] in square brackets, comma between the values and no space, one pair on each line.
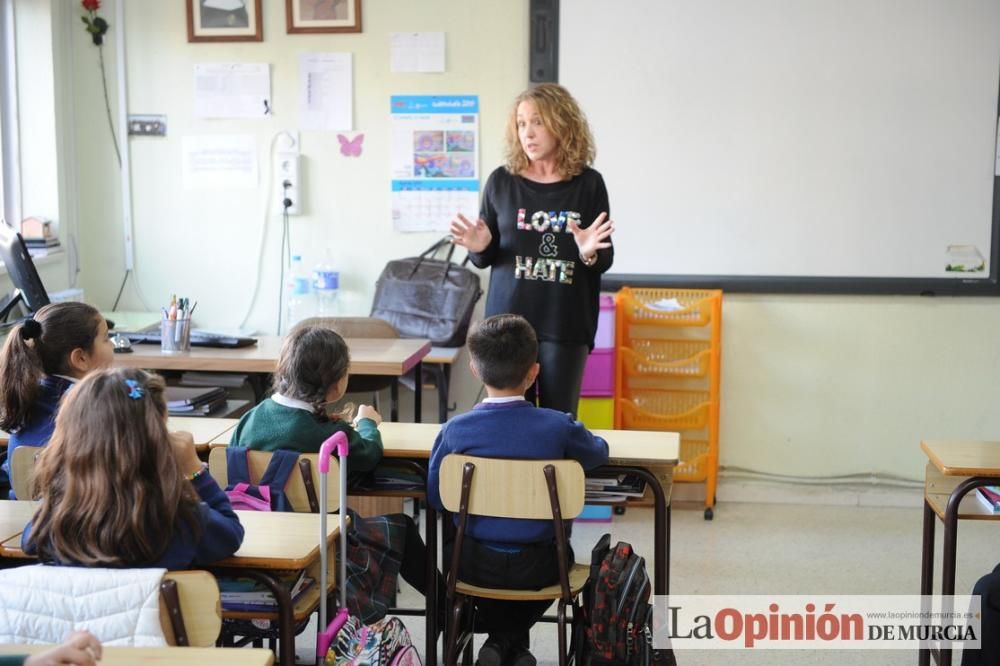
[287,172]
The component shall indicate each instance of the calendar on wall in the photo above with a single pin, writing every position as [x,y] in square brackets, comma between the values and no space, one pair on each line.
[435,160]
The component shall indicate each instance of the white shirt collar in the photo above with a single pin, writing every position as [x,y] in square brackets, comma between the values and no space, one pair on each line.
[497,401]
[71,380]
[285,401]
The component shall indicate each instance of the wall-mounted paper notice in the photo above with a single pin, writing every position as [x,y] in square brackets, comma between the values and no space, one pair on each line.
[417,51]
[219,162]
[232,90]
[326,91]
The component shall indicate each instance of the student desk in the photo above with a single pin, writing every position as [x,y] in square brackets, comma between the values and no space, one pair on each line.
[282,541]
[369,356]
[166,656]
[204,429]
[955,470]
[438,362]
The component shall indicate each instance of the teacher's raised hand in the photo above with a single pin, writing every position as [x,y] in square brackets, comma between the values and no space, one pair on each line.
[593,238]
[473,236]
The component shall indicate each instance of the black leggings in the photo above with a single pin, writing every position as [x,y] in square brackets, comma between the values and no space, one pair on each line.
[560,376]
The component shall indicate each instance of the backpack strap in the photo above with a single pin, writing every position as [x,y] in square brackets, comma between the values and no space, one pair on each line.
[276,477]
[237,465]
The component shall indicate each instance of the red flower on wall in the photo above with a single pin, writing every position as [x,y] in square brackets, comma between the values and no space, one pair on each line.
[96,25]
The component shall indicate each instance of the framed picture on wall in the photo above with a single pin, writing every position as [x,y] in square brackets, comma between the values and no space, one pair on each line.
[323,15]
[224,21]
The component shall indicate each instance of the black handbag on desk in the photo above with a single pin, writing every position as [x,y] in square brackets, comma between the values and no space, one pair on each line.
[424,297]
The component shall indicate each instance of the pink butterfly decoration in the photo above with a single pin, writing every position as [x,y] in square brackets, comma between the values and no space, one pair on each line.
[350,147]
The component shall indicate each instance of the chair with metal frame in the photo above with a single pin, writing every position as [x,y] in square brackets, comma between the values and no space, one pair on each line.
[502,488]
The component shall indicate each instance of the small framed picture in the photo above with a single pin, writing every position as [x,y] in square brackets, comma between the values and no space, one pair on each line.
[323,15]
[224,21]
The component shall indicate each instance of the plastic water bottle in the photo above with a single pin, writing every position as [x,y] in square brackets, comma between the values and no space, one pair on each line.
[300,300]
[325,282]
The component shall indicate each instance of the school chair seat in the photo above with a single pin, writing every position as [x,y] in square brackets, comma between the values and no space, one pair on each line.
[364,327]
[502,488]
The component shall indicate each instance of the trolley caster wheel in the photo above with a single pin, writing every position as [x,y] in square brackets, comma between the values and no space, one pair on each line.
[619,511]
[709,514]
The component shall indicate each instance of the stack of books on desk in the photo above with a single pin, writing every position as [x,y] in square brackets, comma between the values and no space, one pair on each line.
[194,401]
[247,595]
[990,497]
[38,236]
[614,488]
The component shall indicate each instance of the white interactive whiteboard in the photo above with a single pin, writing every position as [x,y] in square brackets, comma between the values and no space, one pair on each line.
[786,145]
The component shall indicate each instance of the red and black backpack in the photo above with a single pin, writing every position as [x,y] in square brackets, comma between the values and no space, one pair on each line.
[617,615]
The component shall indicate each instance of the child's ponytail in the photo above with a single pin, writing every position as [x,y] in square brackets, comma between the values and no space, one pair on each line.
[37,347]
[20,374]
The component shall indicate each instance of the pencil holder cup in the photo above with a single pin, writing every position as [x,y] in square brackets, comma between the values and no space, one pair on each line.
[175,335]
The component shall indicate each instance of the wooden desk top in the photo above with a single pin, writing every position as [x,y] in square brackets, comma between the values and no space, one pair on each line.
[446,355]
[963,457]
[279,540]
[166,656]
[204,429]
[625,447]
[392,356]
[14,515]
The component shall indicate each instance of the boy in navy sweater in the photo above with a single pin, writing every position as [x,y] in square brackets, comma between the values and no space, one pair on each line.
[504,552]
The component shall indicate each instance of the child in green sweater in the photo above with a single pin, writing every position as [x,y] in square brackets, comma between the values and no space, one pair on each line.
[311,374]
[79,649]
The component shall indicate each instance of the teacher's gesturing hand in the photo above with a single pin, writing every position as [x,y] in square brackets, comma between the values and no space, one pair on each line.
[593,238]
[473,236]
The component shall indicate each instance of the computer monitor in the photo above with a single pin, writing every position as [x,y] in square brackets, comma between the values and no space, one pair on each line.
[28,287]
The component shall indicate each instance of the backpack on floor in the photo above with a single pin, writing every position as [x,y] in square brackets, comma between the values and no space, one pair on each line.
[617,627]
[385,643]
[269,493]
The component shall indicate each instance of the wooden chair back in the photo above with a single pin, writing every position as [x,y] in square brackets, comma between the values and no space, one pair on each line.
[303,487]
[354,327]
[22,469]
[504,488]
[190,608]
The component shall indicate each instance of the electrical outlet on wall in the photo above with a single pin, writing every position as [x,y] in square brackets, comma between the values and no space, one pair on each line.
[287,181]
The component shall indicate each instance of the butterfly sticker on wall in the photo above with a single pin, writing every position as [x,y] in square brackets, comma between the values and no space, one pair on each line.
[350,147]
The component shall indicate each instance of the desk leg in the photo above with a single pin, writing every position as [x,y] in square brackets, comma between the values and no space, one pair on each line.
[430,641]
[418,391]
[394,400]
[951,541]
[927,567]
[286,623]
[661,526]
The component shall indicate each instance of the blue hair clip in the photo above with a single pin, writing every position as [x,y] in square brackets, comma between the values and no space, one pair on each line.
[135,390]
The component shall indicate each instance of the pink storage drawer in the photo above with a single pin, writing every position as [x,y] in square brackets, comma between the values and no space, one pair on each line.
[599,373]
[605,336]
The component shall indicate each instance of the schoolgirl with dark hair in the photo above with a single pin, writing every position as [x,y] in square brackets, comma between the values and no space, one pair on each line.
[41,359]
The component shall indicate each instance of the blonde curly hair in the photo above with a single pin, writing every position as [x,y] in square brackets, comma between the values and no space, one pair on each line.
[563,118]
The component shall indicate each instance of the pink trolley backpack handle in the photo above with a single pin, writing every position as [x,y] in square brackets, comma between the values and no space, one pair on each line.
[327,633]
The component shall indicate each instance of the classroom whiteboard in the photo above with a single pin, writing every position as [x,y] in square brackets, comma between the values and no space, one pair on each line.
[850,145]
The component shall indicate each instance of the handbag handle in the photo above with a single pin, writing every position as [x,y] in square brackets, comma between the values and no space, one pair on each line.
[430,252]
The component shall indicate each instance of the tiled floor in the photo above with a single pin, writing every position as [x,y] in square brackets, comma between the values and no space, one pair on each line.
[785,549]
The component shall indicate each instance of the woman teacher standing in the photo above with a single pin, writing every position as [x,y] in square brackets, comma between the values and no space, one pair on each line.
[545,230]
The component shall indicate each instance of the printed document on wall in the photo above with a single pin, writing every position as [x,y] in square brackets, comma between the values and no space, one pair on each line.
[227,161]
[416,52]
[237,90]
[435,160]
[326,91]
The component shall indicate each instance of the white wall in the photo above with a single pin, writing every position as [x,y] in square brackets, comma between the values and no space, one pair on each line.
[812,386]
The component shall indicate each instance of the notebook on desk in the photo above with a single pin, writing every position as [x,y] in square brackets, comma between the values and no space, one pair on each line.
[199,338]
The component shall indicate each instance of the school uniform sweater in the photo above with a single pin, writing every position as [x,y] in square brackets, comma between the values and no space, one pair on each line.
[536,267]
[283,423]
[220,536]
[516,429]
[37,431]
